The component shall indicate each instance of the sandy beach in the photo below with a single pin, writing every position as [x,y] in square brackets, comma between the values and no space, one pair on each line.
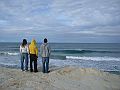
[67,78]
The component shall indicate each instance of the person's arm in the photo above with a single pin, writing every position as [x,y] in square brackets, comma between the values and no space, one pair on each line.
[49,50]
[27,49]
[41,50]
[37,52]
[20,49]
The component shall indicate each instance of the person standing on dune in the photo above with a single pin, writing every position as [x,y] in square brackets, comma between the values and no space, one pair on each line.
[24,51]
[33,50]
[45,54]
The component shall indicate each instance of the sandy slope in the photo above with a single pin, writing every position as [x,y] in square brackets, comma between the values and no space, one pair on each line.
[67,78]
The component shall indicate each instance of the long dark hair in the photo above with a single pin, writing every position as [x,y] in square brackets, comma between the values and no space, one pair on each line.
[24,42]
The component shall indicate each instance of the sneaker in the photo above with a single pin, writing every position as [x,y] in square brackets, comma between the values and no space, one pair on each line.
[22,70]
[26,70]
[47,71]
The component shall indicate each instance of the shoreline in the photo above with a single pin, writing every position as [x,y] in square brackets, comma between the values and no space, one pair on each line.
[64,78]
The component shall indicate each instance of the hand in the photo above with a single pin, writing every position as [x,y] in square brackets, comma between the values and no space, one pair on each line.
[36,56]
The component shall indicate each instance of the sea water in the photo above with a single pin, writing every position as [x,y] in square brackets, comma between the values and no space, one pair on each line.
[103,56]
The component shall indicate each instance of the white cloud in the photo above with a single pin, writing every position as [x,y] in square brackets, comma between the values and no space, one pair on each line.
[47,18]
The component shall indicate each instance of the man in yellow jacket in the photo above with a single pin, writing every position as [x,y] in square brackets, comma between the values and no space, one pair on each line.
[33,50]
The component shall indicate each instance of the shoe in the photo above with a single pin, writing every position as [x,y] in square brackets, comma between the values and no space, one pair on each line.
[22,70]
[26,70]
[36,71]
[47,71]
[31,70]
[43,72]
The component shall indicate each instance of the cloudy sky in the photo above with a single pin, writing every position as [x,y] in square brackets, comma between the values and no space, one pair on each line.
[83,21]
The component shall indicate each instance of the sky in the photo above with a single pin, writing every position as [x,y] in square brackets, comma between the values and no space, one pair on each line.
[67,21]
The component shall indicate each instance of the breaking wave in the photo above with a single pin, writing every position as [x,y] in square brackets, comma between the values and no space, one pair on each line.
[93,58]
[9,53]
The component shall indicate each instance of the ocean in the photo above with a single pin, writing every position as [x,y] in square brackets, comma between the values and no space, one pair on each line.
[103,56]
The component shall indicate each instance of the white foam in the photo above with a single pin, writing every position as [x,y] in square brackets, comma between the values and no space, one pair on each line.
[9,53]
[13,53]
[94,58]
[8,64]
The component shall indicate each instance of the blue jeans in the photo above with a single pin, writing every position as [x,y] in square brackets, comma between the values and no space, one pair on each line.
[24,56]
[45,62]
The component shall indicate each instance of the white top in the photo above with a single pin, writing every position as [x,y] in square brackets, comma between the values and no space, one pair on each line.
[24,49]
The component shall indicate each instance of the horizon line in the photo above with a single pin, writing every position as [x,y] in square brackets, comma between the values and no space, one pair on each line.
[71,42]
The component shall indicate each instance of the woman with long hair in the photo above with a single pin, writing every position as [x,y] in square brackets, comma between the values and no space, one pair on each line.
[24,51]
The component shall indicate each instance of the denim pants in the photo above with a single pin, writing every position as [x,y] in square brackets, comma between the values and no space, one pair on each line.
[24,57]
[45,62]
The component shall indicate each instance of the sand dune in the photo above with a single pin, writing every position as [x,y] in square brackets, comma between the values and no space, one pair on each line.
[67,78]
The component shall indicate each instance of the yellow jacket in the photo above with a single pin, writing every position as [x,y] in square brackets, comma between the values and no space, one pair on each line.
[33,48]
